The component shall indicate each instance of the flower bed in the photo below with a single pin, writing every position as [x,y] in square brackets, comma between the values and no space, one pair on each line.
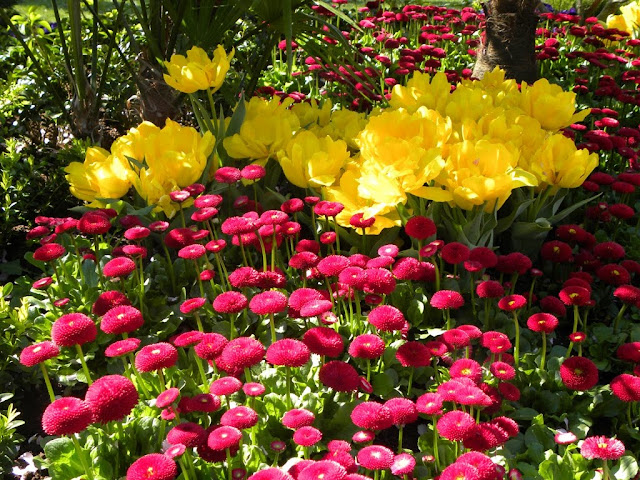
[427,290]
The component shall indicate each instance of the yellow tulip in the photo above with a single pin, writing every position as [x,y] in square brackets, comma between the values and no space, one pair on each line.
[422,90]
[266,129]
[559,163]
[196,71]
[101,176]
[347,193]
[309,161]
[550,105]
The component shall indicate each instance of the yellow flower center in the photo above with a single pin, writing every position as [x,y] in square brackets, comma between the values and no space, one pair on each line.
[156,351]
[37,349]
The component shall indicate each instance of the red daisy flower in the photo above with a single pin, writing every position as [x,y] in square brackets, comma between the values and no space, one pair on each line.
[268,302]
[613,274]
[122,319]
[512,302]
[420,227]
[38,353]
[456,425]
[379,281]
[156,357]
[609,251]
[413,354]
[224,437]
[403,410]
[323,469]
[602,447]
[187,339]
[122,347]
[367,346]
[270,474]
[225,386]
[167,397]
[119,267]
[108,300]
[210,345]
[204,402]
[490,289]
[73,329]
[66,416]
[626,387]
[468,368]
[542,322]
[324,341]
[192,304]
[556,251]
[49,252]
[403,464]
[307,436]
[454,253]
[230,302]
[187,433]
[240,417]
[94,223]
[298,418]
[288,352]
[553,305]
[485,256]
[339,376]
[111,397]
[375,457]
[459,471]
[429,403]
[253,389]
[386,318]
[579,373]
[242,352]
[483,464]
[629,352]
[372,416]
[496,342]
[154,466]
[456,338]
[363,436]
[509,391]
[332,265]
[444,299]
[627,294]
[502,370]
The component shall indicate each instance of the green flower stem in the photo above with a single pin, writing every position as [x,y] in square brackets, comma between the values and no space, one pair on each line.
[400,431]
[78,258]
[163,432]
[200,285]
[576,318]
[229,469]
[335,224]
[121,444]
[198,321]
[618,317]
[435,444]
[288,380]
[190,462]
[533,284]
[487,320]
[96,247]
[605,470]
[566,355]
[273,328]
[435,265]
[245,263]
[47,382]
[247,375]
[183,468]
[141,291]
[544,350]
[517,347]
[141,382]
[84,363]
[410,381]
[222,271]
[274,245]
[83,459]
[473,294]
[57,274]
[163,382]
[172,274]
[368,370]
[203,375]
[184,222]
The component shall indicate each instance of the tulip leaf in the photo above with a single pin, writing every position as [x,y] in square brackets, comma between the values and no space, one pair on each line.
[237,118]
[561,215]
[505,223]
[625,469]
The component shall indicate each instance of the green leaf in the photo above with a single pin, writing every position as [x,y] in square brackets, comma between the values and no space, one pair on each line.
[625,469]
[558,217]
[382,384]
[64,463]
[524,414]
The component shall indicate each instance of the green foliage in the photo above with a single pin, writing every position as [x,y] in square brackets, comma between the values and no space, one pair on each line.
[9,439]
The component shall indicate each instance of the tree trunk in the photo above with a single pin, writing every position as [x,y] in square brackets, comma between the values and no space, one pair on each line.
[509,40]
